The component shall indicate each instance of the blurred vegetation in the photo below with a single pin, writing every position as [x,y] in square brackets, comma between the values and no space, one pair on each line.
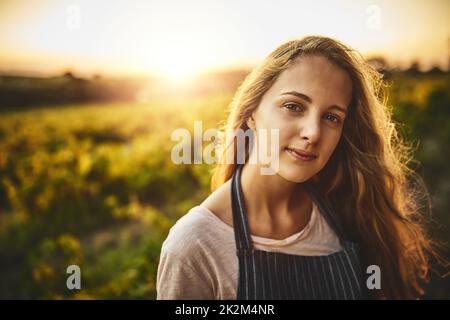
[94,185]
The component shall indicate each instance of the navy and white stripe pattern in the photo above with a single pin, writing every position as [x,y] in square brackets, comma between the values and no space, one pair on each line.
[273,275]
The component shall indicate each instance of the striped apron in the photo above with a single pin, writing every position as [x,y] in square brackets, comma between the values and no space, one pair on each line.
[274,275]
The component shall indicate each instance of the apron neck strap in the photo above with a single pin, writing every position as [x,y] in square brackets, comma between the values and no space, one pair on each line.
[241,231]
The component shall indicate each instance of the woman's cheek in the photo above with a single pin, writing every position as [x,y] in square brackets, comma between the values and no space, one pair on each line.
[284,134]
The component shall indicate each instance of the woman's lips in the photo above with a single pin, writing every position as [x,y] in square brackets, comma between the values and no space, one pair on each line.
[301,155]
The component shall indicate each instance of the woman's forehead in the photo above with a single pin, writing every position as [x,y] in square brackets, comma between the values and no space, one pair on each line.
[316,77]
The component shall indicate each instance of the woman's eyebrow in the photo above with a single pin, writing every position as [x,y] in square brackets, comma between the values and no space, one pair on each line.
[297,94]
[309,100]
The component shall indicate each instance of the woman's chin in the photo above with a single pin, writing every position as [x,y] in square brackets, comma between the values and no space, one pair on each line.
[294,173]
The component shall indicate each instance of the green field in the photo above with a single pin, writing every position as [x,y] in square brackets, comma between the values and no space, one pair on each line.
[94,185]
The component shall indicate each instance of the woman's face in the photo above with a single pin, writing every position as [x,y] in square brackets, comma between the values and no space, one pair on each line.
[308,104]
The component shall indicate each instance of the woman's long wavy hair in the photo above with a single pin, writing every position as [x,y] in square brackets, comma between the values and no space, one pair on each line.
[367,179]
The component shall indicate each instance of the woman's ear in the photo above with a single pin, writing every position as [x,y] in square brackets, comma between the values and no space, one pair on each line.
[251,123]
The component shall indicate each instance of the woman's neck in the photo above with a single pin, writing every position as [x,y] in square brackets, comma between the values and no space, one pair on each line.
[273,197]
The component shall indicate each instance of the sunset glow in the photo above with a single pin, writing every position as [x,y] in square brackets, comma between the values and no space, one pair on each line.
[178,39]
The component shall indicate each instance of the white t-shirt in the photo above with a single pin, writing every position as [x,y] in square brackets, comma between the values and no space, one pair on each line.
[198,258]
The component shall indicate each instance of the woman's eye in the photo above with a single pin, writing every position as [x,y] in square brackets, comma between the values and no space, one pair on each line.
[292,107]
[333,118]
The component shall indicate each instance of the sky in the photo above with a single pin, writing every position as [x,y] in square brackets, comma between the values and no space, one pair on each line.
[185,37]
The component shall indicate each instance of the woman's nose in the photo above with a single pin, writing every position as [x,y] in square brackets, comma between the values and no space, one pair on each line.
[310,130]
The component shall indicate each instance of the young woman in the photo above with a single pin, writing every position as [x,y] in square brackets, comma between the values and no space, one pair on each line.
[341,198]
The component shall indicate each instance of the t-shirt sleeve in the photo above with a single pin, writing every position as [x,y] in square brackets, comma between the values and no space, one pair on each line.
[177,280]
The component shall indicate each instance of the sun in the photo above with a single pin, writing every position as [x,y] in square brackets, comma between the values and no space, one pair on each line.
[178,70]
[180,66]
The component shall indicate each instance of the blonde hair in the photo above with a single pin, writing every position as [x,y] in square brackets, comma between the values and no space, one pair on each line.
[367,179]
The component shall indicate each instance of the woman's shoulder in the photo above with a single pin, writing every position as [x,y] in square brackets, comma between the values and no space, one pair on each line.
[203,225]
[185,232]
[219,203]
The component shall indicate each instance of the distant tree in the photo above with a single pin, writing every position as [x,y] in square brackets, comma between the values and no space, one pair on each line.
[413,70]
[69,75]
[435,70]
[379,63]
